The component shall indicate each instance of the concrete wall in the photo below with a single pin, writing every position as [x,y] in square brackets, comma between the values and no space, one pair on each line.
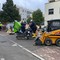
[0,6]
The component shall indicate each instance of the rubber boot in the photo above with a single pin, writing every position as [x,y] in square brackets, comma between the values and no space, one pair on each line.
[34,35]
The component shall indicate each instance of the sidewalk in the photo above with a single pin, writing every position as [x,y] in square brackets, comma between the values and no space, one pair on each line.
[49,52]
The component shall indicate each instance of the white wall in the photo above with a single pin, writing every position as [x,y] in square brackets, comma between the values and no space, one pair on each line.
[23,13]
[56,7]
[53,0]
[57,0]
[0,6]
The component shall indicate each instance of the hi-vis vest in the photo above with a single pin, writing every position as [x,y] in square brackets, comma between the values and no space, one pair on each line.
[17,26]
[1,24]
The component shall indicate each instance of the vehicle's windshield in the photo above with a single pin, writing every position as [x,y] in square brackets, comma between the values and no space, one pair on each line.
[53,25]
[57,24]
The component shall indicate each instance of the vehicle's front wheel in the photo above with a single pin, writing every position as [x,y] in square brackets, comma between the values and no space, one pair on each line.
[48,42]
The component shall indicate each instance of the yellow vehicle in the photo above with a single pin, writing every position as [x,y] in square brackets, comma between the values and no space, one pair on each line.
[51,35]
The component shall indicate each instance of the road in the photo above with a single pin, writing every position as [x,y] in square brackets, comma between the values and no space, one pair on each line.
[45,52]
[11,51]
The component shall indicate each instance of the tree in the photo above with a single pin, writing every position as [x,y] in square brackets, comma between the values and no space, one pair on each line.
[28,20]
[10,11]
[2,15]
[38,17]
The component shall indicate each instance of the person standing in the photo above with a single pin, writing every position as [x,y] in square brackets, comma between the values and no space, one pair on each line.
[33,27]
[23,25]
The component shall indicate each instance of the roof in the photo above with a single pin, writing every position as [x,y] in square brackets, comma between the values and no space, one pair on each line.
[54,20]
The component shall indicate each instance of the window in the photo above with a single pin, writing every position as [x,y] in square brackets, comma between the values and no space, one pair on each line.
[59,10]
[28,16]
[22,10]
[56,23]
[23,18]
[51,1]
[51,11]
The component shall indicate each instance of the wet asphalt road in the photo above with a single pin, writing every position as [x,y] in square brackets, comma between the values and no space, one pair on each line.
[9,51]
[46,52]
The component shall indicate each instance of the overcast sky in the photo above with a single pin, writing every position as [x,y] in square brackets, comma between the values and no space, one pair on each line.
[29,4]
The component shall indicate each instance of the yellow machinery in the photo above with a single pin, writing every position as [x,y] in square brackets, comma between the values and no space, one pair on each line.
[51,35]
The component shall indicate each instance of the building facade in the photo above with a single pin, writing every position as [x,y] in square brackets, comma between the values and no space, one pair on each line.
[52,10]
[25,13]
[0,6]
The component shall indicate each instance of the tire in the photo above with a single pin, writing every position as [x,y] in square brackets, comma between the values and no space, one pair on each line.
[37,41]
[18,38]
[58,42]
[27,38]
[48,42]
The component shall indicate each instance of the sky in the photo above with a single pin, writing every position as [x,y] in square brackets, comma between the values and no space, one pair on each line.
[29,4]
